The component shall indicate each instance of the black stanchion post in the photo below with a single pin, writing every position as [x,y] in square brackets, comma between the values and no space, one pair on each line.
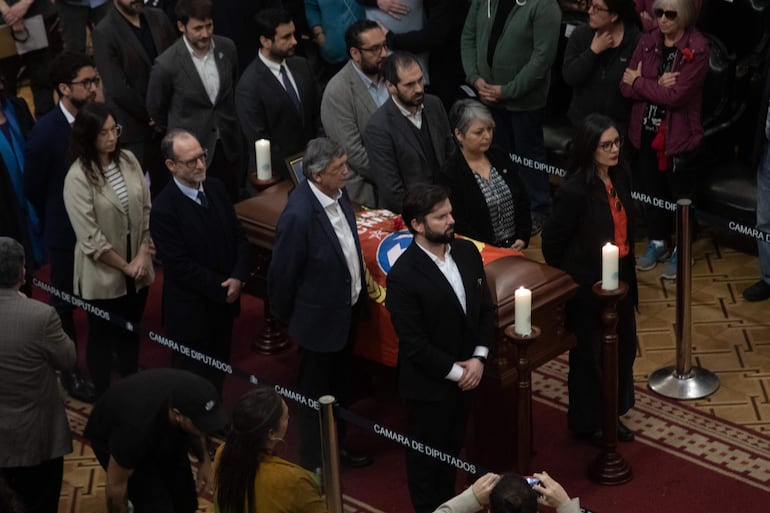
[330,473]
[609,467]
[683,381]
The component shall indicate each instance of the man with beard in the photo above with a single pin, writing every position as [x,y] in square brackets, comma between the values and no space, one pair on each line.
[350,99]
[192,87]
[443,315]
[126,43]
[46,162]
[277,97]
[408,139]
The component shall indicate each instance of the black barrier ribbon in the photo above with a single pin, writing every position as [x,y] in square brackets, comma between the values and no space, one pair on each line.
[711,218]
[285,392]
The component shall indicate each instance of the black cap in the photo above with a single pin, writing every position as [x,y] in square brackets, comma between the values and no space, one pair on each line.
[196,398]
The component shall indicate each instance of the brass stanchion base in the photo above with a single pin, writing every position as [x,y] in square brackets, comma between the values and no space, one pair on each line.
[609,468]
[695,384]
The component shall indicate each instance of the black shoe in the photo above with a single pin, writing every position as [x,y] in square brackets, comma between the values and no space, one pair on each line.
[757,292]
[78,387]
[595,438]
[624,434]
[355,459]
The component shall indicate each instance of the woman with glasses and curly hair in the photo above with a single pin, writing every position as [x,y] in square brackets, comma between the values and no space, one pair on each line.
[592,207]
[108,203]
[249,477]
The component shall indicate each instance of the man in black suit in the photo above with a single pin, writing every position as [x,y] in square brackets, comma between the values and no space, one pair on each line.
[192,87]
[126,42]
[204,253]
[277,97]
[408,139]
[443,315]
[316,284]
[46,162]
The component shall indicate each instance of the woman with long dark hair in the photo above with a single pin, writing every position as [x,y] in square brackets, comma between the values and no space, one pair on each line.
[249,477]
[593,207]
[108,203]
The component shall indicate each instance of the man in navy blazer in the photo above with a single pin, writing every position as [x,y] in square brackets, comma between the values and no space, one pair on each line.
[443,315]
[277,97]
[204,255]
[46,162]
[316,284]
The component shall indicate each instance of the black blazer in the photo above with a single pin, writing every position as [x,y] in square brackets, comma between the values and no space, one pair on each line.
[582,223]
[468,205]
[46,162]
[433,331]
[396,158]
[308,281]
[266,112]
[125,67]
[200,248]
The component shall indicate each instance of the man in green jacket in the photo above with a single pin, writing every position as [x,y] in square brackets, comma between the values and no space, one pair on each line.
[508,47]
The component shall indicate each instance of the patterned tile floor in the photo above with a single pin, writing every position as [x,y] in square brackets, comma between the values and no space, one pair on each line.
[730,336]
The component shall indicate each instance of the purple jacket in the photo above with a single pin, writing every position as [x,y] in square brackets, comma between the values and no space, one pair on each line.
[682,101]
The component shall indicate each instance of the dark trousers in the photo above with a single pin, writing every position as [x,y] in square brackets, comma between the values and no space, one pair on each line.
[148,154]
[228,170]
[109,342]
[521,133]
[320,374]
[440,425]
[37,486]
[161,484]
[62,267]
[214,341]
[668,185]
[584,415]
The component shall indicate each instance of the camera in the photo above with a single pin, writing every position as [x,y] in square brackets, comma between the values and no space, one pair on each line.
[532,481]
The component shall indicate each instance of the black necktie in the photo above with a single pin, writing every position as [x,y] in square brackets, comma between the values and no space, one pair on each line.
[290,89]
[204,201]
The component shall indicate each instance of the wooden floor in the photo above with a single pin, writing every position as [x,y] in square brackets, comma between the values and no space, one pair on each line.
[730,336]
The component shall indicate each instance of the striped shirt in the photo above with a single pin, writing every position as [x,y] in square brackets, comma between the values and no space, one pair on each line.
[115,178]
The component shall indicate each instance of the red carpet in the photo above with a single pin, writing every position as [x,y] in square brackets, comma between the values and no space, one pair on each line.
[683,460]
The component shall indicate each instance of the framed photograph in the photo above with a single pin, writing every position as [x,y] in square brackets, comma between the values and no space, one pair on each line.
[294,165]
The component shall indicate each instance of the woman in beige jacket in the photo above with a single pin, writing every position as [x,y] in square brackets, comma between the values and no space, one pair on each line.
[108,203]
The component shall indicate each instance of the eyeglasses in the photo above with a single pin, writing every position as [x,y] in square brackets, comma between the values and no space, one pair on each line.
[374,49]
[88,82]
[597,8]
[190,164]
[115,130]
[659,13]
[608,145]
[614,194]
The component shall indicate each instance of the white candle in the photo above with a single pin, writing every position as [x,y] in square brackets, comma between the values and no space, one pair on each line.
[523,309]
[609,267]
[264,167]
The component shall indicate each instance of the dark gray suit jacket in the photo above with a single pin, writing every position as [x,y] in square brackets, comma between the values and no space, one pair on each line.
[176,97]
[266,112]
[125,67]
[396,158]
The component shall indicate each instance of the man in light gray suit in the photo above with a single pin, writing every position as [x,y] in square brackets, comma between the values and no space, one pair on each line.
[34,433]
[350,99]
[408,139]
[192,87]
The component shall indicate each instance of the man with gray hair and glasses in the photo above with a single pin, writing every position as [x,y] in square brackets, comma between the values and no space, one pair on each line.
[34,433]
[316,285]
